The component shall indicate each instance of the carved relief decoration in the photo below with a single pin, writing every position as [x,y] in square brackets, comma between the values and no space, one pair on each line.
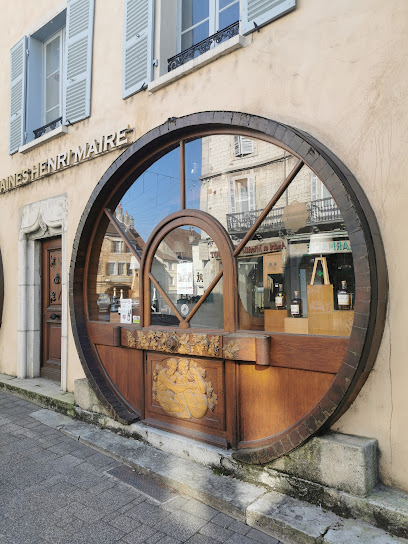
[184,344]
[180,389]
[231,350]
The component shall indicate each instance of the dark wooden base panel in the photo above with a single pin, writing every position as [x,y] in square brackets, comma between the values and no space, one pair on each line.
[125,369]
[273,399]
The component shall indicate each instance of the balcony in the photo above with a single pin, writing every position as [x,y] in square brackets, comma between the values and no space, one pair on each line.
[203,46]
[320,211]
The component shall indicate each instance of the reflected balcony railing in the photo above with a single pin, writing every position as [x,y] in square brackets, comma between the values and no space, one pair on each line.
[324,210]
[203,46]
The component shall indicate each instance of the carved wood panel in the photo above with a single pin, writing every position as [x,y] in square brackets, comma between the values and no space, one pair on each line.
[185,391]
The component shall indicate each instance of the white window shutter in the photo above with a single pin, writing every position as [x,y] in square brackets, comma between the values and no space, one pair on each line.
[78,60]
[137,46]
[255,13]
[251,194]
[247,146]
[18,63]
[313,187]
[237,146]
[232,200]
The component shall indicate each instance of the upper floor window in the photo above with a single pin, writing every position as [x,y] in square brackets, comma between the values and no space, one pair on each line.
[202,18]
[53,67]
[186,29]
[50,75]
[118,247]
[243,146]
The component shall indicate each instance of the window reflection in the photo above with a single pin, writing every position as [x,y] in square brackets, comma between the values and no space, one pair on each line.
[118,274]
[185,264]
[155,194]
[290,273]
[233,178]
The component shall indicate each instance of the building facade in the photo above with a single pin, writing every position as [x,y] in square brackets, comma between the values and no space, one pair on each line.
[195,164]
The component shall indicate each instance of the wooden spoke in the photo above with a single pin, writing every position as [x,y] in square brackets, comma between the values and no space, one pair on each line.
[268,208]
[123,235]
[166,298]
[205,295]
[182,176]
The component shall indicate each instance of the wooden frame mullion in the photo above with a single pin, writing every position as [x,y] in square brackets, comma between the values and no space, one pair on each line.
[205,295]
[166,298]
[123,235]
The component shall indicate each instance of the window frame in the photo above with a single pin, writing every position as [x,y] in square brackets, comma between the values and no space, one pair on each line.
[213,20]
[61,34]
[75,104]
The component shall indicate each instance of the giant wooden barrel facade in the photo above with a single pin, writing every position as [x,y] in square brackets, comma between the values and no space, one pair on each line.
[204,343]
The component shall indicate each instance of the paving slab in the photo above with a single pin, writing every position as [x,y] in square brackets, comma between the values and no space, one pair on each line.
[226,494]
[289,519]
[356,532]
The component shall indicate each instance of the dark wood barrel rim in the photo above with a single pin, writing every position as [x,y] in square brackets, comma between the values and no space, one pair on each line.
[367,249]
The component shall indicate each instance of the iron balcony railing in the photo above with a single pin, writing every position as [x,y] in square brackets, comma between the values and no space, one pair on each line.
[203,46]
[46,128]
[324,210]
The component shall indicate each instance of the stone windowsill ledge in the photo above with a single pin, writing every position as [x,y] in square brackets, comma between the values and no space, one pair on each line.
[56,133]
[237,42]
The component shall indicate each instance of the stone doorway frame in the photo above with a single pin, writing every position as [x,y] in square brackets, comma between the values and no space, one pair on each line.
[37,221]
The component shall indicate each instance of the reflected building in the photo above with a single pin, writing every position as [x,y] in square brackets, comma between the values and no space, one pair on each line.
[118,269]
[239,177]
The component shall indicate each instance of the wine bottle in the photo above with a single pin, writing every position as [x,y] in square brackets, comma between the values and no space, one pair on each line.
[296,305]
[280,298]
[343,297]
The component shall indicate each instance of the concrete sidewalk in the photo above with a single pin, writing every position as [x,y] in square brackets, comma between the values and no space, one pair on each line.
[57,490]
[50,473]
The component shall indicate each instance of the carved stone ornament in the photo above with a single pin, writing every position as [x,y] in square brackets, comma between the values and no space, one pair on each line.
[231,350]
[185,344]
[180,389]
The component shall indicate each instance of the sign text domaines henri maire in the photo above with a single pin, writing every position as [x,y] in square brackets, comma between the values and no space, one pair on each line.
[72,157]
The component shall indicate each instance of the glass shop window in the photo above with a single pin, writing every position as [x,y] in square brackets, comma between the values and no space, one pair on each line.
[292,252]
[298,252]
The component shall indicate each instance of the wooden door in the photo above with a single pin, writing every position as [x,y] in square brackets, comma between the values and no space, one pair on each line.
[51,309]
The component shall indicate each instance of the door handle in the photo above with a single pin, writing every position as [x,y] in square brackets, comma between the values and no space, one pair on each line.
[55,316]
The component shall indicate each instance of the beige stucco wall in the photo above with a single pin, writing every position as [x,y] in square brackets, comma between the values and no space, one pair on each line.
[337,70]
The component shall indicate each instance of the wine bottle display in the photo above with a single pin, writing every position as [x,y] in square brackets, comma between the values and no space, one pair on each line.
[296,305]
[280,298]
[343,297]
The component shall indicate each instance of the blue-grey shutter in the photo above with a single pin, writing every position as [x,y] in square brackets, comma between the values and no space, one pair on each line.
[18,63]
[137,46]
[262,12]
[78,60]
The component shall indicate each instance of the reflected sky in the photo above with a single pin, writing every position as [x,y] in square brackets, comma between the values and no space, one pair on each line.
[193,155]
[155,194]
